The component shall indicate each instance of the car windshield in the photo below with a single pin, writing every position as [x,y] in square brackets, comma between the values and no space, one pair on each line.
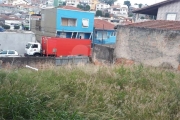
[28,45]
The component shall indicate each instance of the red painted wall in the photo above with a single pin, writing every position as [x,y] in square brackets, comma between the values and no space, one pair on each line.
[65,46]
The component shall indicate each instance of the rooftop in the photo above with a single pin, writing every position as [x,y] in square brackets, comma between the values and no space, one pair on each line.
[103,24]
[158,24]
[153,9]
[71,8]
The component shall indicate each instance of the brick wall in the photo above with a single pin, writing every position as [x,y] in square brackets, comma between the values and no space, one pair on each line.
[149,46]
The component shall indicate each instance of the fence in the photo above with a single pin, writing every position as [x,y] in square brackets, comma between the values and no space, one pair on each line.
[22,61]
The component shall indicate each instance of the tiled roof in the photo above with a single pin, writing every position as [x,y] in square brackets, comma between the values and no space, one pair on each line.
[158,24]
[103,24]
[115,6]
[71,8]
[6,5]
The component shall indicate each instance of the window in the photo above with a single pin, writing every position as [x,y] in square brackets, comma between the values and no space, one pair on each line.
[171,17]
[11,52]
[68,22]
[62,35]
[3,52]
[85,22]
[101,35]
[35,46]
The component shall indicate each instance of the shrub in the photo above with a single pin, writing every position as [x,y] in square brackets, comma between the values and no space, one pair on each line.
[6,26]
[16,26]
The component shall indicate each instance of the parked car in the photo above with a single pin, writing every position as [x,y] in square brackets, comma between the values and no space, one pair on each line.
[9,53]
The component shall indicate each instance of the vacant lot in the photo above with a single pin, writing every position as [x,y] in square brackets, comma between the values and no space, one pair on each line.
[90,92]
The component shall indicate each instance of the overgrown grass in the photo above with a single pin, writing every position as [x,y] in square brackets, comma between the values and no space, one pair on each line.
[91,93]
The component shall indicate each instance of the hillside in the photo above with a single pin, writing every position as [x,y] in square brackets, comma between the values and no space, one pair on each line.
[90,92]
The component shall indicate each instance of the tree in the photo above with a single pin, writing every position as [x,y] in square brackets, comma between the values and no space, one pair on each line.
[128,3]
[79,6]
[142,17]
[98,13]
[87,8]
[110,2]
[83,7]
[140,5]
[107,15]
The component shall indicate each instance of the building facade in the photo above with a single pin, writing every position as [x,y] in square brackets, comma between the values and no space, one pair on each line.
[169,11]
[166,10]
[104,32]
[102,6]
[64,23]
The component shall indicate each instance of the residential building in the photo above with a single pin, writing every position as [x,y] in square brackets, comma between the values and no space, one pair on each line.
[119,10]
[65,22]
[91,3]
[18,2]
[102,6]
[7,8]
[73,3]
[104,32]
[166,10]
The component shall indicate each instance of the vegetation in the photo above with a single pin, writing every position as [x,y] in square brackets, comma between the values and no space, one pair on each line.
[128,3]
[107,15]
[99,13]
[90,92]
[6,26]
[83,7]
[16,26]
[110,2]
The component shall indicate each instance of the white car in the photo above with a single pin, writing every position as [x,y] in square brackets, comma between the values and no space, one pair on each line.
[9,53]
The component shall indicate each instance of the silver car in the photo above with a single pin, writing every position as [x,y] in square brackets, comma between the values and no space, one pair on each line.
[9,53]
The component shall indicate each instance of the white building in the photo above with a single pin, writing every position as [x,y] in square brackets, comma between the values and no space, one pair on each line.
[119,10]
[18,2]
[101,6]
[73,3]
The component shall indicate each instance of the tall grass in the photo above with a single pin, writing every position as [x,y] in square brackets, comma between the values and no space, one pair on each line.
[91,93]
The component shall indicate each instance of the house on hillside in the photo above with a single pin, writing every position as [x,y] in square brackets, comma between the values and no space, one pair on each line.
[166,10]
[104,32]
[64,22]
[119,10]
[154,43]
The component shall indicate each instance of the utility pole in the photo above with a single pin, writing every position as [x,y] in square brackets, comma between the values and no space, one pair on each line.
[102,33]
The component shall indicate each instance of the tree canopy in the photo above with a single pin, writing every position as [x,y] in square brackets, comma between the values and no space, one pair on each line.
[128,3]
[110,2]
[99,13]
[83,7]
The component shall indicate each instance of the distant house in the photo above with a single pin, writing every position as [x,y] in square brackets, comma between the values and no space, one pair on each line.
[7,8]
[104,32]
[166,10]
[64,22]
[119,10]
[102,6]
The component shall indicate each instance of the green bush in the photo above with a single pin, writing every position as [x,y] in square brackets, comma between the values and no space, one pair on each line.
[16,26]
[6,26]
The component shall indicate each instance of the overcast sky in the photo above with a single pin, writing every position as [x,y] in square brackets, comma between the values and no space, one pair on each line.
[149,2]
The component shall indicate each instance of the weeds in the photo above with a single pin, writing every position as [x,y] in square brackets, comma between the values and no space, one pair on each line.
[90,92]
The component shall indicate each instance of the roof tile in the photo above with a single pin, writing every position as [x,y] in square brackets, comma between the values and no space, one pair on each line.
[158,24]
[103,24]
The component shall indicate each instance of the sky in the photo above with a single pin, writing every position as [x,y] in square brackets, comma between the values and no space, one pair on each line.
[148,2]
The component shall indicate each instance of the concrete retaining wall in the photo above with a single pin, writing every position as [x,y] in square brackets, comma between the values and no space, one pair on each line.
[103,53]
[149,46]
[15,41]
